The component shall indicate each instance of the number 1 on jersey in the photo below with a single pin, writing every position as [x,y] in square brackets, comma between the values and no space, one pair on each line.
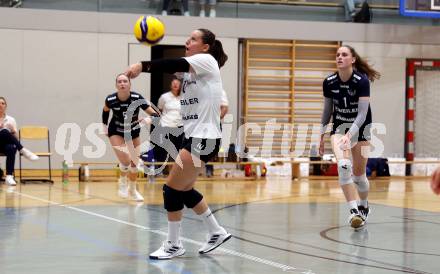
[345,102]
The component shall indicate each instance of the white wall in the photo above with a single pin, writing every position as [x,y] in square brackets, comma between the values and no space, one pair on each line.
[55,77]
[58,66]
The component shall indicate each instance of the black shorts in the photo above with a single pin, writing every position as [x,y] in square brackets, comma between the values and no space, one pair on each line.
[115,130]
[204,149]
[166,140]
[364,133]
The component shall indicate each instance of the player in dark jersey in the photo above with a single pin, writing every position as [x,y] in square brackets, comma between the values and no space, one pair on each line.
[347,101]
[123,132]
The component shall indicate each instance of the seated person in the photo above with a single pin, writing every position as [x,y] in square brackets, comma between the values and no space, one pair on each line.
[9,143]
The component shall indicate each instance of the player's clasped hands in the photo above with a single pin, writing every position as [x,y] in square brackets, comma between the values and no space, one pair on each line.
[146,120]
[344,142]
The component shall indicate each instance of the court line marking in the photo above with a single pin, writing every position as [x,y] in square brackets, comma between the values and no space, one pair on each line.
[283,267]
[419,220]
[324,235]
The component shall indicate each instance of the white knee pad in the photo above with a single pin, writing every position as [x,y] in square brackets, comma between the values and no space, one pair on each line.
[123,168]
[344,171]
[362,183]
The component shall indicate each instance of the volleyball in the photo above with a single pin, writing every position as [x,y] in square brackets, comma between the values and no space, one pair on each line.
[149,30]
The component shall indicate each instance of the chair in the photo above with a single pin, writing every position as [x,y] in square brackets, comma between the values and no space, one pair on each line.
[36,133]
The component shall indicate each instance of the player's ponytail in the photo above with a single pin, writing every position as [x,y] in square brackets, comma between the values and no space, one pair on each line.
[362,65]
[215,46]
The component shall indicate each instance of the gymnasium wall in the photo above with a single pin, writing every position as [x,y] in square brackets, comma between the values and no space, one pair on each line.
[57,66]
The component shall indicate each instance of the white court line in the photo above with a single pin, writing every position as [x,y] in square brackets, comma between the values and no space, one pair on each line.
[183,239]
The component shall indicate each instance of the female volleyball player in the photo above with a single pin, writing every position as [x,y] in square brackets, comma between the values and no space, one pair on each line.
[347,100]
[123,132]
[200,108]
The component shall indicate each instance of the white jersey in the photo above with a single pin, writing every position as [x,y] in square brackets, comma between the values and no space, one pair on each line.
[201,97]
[224,101]
[9,123]
[170,107]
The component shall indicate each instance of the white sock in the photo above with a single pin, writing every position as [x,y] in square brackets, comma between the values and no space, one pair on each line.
[131,185]
[174,231]
[212,13]
[123,180]
[211,223]
[363,203]
[353,204]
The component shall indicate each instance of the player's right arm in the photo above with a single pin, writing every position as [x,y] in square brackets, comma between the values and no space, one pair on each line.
[326,115]
[160,65]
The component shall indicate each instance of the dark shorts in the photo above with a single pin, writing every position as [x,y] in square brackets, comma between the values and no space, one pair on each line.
[166,140]
[113,130]
[204,149]
[364,133]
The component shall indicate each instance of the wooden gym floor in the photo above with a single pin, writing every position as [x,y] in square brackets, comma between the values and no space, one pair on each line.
[279,226]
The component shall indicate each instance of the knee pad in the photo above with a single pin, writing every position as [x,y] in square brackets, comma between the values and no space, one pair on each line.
[173,199]
[344,171]
[123,168]
[191,198]
[362,183]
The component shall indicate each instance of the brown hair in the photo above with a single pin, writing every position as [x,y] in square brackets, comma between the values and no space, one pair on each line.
[3,98]
[215,47]
[362,65]
[117,76]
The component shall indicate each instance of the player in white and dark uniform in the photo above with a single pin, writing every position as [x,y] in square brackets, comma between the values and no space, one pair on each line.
[200,108]
[123,132]
[347,100]
[118,125]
